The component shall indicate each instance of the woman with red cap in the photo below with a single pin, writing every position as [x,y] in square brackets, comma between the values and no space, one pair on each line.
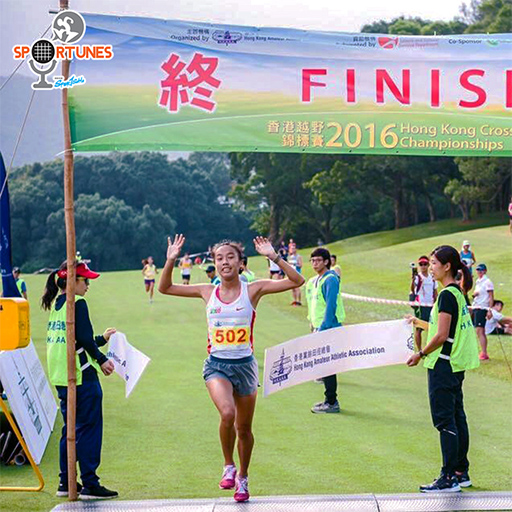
[89,360]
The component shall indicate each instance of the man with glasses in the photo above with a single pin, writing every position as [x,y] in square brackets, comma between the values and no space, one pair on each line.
[424,287]
[325,311]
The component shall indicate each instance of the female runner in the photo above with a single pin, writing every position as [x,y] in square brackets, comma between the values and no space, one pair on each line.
[231,371]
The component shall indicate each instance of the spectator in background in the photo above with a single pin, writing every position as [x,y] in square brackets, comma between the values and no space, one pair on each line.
[467,256]
[20,283]
[248,274]
[212,276]
[483,298]
[497,323]
[283,252]
[295,260]
[335,266]
[510,213]
[424,287]
[274,270]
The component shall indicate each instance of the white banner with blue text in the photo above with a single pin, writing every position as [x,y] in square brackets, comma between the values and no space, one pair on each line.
[352,347]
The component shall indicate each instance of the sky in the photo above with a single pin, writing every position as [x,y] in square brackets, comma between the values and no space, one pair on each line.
[22,21]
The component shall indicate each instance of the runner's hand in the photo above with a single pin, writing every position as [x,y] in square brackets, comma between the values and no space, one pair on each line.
[174,248]
[264,247]
[107,367]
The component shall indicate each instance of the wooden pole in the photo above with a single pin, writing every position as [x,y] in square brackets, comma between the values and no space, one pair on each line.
[69,215]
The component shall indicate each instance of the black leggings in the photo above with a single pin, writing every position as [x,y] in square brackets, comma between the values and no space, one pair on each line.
[448,416]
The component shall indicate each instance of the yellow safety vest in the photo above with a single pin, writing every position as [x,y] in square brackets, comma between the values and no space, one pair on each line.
[56,349]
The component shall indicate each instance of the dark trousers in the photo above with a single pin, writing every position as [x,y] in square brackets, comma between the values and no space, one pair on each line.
[331,384]
[89,431]
[448,416]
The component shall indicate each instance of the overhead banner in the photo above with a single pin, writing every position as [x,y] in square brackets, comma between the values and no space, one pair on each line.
[353,347]
[174,85]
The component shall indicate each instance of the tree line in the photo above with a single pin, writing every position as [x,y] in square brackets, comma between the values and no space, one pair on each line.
[126,204]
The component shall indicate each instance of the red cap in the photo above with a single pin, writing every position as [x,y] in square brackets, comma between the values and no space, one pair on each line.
[423,258]
[82,270]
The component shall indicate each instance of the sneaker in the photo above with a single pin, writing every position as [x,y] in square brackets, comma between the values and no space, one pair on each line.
[242,489]
[228,478]
[62,491]
[97,493]
[444,483]
[326,408]
[463,479]
[483,357]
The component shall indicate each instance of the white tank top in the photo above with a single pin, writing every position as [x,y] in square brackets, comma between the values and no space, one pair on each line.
[230,326]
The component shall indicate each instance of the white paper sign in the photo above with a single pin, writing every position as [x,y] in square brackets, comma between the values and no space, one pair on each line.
[342,349]
[29,396]
[129,362]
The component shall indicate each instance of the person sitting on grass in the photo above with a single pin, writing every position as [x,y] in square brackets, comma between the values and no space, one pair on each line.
[497,323]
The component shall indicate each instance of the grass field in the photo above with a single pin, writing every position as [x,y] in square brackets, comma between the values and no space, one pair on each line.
[162,442]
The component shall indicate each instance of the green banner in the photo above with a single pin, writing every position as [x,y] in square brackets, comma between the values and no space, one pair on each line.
[195,86]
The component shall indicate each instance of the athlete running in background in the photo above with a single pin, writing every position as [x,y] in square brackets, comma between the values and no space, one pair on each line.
[185,266]
[231,371]
[149,272]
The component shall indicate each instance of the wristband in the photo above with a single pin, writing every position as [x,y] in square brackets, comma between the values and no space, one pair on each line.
[277,259]
[422,354]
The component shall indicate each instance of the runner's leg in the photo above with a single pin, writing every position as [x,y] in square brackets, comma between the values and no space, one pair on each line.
[221,393]
[245,406]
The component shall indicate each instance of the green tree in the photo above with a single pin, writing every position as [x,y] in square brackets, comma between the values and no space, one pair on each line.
[481,183]
[488,16]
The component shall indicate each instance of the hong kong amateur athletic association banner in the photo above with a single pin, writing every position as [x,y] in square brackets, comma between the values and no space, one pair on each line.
[175,85]
[320,354]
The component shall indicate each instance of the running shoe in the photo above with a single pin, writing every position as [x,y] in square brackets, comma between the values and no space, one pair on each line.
[241,489]
[444,483]
[463,479]
[228,478]
[326,408]
[483,357]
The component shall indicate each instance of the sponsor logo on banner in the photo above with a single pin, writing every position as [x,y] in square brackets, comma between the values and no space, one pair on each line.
[226,37]
[68,28]
[281,369]
[388,43]
[417,42]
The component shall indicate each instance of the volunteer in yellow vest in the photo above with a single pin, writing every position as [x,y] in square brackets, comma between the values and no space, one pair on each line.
[231,371]
[451,349]
[20,283]
[325,311]
[89,360]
